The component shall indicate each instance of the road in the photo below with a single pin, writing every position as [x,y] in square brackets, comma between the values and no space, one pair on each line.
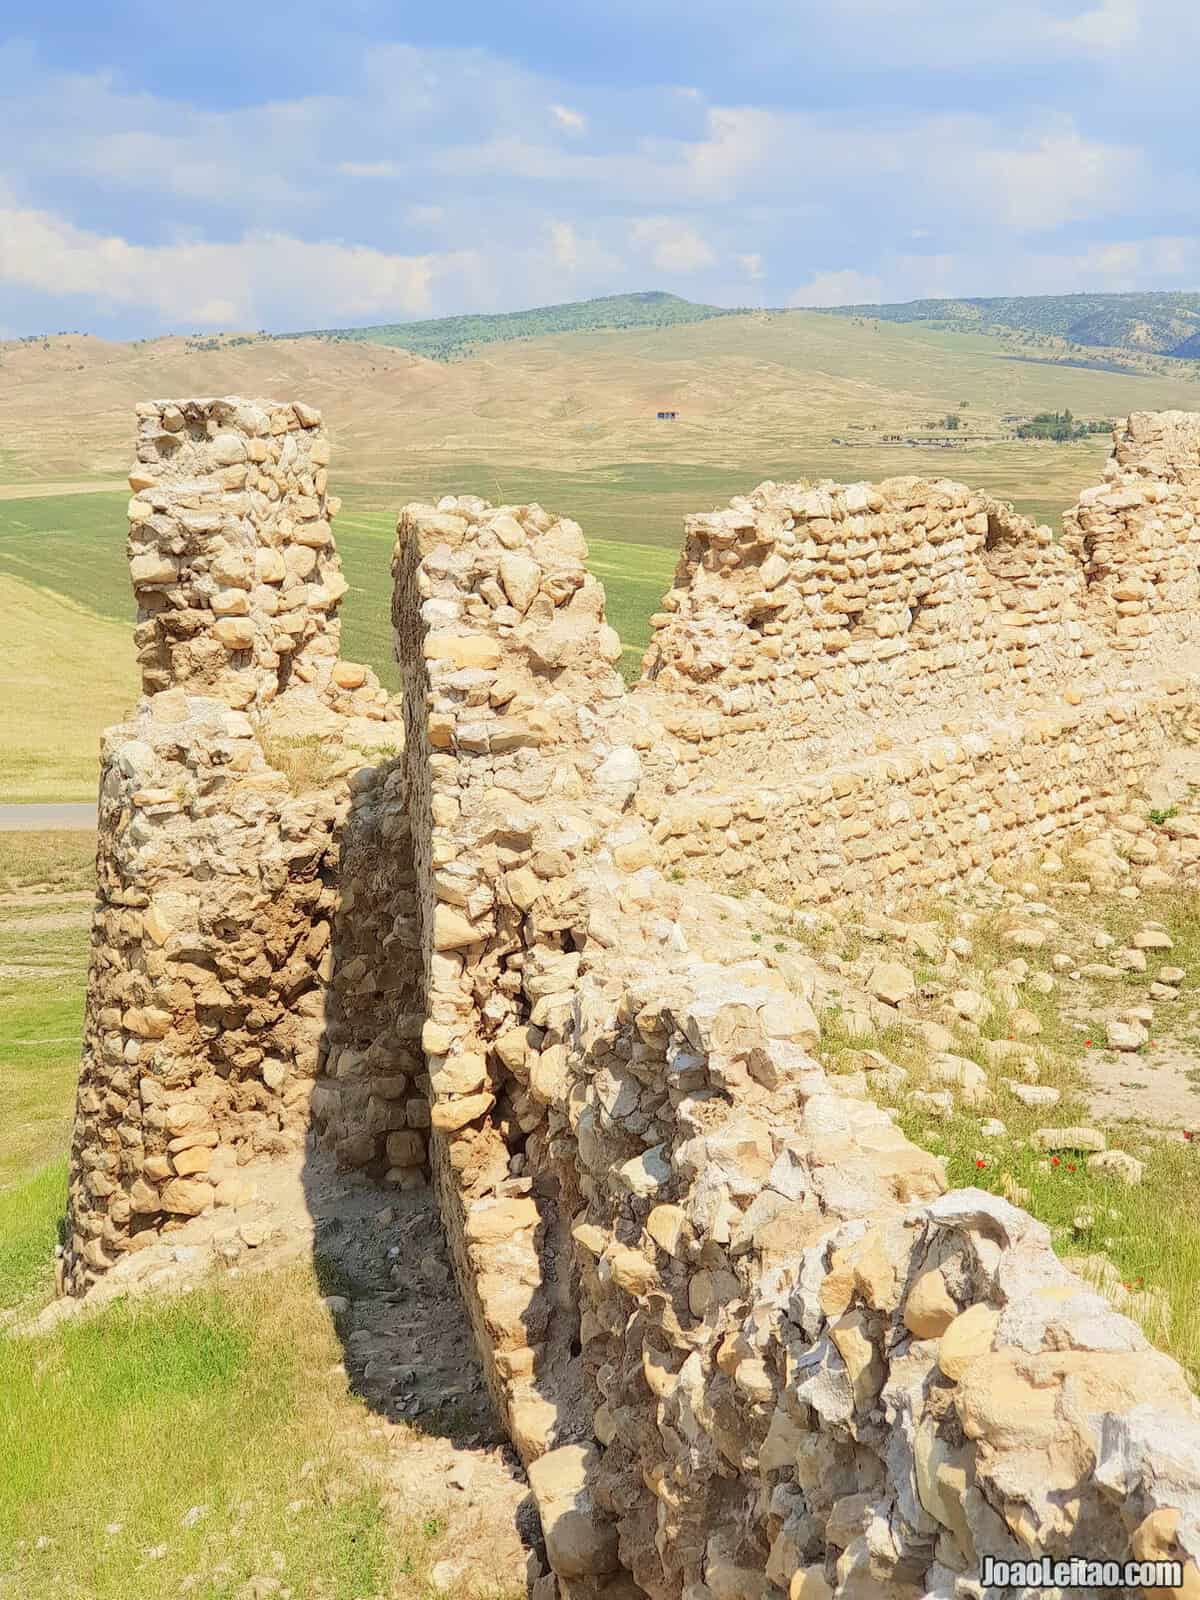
[46,817]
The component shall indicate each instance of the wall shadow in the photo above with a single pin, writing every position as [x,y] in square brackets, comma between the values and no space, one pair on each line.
[380,1253]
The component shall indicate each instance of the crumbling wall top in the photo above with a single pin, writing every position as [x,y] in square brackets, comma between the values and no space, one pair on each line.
[231,553]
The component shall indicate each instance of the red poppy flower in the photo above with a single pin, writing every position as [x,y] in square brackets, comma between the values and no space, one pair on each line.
[1054,1161]
[1087,1044]
[981,1163]
[1070,1166]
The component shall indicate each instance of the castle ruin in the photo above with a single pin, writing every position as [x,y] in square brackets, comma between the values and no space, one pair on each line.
[743,1338]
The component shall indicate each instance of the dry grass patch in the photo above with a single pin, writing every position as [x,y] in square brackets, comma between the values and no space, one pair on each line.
[1148,1232]
[65,675]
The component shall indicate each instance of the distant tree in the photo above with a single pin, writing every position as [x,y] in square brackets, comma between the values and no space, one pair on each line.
[963,404]
[951,420]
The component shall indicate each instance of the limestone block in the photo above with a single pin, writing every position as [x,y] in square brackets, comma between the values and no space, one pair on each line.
[187,1196]
[580,1542]
[967,1338]
[448,1116]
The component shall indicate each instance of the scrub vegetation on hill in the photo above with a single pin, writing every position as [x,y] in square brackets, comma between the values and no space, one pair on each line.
[444,338]
[1157,323]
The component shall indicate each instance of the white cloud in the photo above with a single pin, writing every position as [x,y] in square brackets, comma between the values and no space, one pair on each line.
[1110,28]
[570,121]
[740,140]
[261,275]
[672,246]
[846,287]
[1062,177]
[564,244]
[329,205]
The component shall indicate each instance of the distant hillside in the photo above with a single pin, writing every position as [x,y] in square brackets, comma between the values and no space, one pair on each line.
[1165,324]
[443,338]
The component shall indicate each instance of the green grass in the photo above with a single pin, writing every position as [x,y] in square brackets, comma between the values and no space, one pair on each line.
[58,858]
[66,673]
[73,544]
[188,1446]
[43,974]
[1160,1264]
[30,1214]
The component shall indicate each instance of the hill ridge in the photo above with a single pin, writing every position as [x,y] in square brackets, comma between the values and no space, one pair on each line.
[1162,322]
[443,338]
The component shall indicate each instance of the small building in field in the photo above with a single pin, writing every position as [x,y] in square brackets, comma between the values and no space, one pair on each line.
[667,416]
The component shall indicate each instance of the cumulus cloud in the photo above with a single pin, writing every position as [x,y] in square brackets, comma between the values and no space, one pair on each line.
[256,275]
[845,287]
[564,244]
[1112,26]
[1060,177]
[672,246]
[483,184]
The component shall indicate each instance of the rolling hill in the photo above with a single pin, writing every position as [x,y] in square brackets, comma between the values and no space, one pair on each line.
[756,393]
[1166,324]
[445,338]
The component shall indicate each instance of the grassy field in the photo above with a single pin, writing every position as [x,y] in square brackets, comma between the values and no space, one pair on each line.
[190,1447]
[205,1446]
[1153,1269]
[66,672]
[46,884]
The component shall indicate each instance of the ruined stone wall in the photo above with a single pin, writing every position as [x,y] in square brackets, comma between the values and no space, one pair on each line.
[927,813]
[1137,535]
[744,1343]
[812,1372]
[371,1105]
[217,880]
[507,663]
[802,615]
[742,1340]
[887,688]
[230,548]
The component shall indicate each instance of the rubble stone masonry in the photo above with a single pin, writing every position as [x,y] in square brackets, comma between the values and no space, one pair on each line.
[745,1343]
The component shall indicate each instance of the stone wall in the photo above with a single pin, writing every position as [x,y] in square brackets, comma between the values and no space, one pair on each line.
[217,881]
[506,661]
[806,612]
[929,812]
[230,548]
[811,1371]
[372,1103]
[1137,535]
[743,1341]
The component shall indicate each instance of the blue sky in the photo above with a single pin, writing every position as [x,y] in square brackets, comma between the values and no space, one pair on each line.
[231,166]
